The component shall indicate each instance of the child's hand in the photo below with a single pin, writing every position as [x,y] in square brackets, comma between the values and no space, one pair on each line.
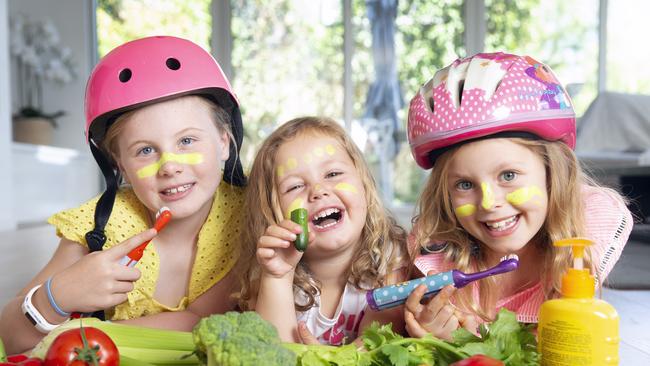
[437,317]
[98,281]
[275,251]
[305,335]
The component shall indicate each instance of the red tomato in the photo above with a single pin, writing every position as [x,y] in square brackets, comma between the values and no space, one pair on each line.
[478,360]
[70,349]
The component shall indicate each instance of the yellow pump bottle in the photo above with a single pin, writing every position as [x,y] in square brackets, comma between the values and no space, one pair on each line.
[577,329]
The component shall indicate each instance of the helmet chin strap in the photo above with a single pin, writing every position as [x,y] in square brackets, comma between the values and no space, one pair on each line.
[97,237]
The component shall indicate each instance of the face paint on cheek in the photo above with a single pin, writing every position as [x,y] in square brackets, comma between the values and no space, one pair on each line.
[465,210]
[297,203]
[346,187]
[525,194]
[152,169]
[488,196]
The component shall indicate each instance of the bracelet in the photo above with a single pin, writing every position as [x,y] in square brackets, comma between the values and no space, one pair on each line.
[55,306]
[33,315]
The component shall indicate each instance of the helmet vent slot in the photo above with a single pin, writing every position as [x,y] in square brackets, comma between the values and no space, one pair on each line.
[125,75]
[173,64]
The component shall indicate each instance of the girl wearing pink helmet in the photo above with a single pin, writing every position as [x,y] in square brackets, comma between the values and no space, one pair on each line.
[160,117]
[498,130]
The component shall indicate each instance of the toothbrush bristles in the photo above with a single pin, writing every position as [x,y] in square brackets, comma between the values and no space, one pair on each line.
[510,256]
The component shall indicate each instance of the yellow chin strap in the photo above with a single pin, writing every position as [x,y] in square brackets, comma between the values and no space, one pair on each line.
[152,169]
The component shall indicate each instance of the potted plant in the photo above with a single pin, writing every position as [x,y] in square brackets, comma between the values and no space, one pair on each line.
[39,57]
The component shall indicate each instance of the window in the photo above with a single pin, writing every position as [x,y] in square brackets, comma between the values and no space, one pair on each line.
[121,21]
[627,51]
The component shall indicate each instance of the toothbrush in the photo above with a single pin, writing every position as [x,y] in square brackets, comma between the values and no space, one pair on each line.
[163,216]
[393,295]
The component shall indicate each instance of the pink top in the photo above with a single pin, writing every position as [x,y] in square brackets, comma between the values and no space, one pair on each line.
[609,223]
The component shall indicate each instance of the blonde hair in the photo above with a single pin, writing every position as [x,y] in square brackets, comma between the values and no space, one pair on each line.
[219,116]
[381,249]
[436,222]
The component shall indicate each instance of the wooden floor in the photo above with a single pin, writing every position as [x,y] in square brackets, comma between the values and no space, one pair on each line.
[24,252]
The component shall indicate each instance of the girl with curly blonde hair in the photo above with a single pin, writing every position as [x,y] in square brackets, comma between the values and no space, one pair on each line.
[354,244]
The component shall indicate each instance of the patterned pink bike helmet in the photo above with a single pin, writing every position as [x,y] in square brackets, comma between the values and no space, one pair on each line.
[146,71]
[487,94]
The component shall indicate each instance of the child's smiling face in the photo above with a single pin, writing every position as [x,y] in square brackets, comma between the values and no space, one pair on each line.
[172,153]
[498,192]
[315,172]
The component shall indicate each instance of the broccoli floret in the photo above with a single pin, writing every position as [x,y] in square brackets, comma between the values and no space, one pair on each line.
[239,339]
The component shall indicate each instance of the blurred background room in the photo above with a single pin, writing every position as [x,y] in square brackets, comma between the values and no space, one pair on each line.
[358,61]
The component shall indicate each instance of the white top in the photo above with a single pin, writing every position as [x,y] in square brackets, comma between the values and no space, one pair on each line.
[343,327]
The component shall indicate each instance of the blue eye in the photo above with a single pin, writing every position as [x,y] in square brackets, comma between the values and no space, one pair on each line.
[145,150]
[186,140]
[509,176]
[464,185]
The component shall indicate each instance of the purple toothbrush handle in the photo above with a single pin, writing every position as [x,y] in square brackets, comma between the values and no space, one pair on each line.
[462,279]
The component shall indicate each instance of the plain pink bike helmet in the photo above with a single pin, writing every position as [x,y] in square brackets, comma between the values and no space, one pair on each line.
[488,94]
[143,72]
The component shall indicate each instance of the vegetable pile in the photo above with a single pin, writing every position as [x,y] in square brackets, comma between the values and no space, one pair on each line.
[246,339]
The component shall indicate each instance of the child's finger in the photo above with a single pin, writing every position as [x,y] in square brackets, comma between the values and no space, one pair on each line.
[281,232]
[305,335]
[436,307]
[123,287]
[412,303]
[265,254]
[129,274]
[128,245]
[413,327]
[291,226]
[273,242]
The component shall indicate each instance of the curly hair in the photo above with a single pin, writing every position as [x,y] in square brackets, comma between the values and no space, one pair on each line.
[436,222]
[380,250]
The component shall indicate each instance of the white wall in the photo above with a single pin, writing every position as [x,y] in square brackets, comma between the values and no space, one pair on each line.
[71,18]
[33,179]
[7,221]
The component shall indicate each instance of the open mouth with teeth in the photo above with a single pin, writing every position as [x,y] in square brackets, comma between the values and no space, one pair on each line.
[502,225]
[327,218]
[175,190]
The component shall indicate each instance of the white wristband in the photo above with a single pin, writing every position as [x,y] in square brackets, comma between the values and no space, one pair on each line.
[34,316]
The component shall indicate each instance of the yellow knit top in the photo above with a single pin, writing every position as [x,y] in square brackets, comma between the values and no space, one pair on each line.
[217,246]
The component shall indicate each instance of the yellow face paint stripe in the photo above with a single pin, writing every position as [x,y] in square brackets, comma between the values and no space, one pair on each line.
[152,169]
[292,163]
[347,187]
[488,196]
[281,171]
[330,150]
[523,195]
[297,203]
[465,210]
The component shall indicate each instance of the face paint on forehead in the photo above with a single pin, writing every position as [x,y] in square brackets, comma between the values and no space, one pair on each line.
[280,171]
[152,169]
[297,203]
[292,163]
[488,196]
[330,150]
[525,194]
[346,187]
[465,210]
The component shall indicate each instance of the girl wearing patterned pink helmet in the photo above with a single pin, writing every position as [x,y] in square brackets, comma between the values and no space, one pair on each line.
[162,120]
[498,130]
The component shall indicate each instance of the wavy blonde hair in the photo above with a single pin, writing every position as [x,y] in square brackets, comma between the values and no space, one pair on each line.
[436,222]
[381,248]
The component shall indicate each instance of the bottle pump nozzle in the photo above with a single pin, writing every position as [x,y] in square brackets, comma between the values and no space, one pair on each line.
[577,282]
